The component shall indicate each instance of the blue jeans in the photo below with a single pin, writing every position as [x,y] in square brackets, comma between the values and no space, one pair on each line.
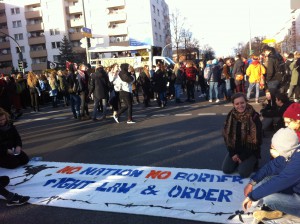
[177,91]
[287,203]
[75,102]
[213,86]
[251,85]
[96,104]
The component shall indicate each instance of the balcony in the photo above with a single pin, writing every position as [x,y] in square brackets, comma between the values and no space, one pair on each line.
[3,19]
[33,14]
[38,54]
[76,22]
[75,9]
[115,4]
[75,36]
[35,27]
[3,30]
[117,17]
[4,45]
[5,57]
[39,67]
[2,6]
[78,50]
[118,31]
[36,40]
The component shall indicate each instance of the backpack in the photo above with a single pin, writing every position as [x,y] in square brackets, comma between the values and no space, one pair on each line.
[280,65]
[207,72]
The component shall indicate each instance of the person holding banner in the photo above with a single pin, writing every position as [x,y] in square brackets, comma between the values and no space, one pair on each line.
[11,153]
[279,179]
[243,136]
[11,198]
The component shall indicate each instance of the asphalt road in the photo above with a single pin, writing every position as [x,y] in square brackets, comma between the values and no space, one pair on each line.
[180,135]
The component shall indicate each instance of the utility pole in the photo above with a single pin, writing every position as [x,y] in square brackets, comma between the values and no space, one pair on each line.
[19,49]
[86,38]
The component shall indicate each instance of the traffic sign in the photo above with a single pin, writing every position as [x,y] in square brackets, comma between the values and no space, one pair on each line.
[86,32]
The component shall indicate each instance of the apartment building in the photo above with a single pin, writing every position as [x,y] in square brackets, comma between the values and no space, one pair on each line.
[288,37]
[37,27]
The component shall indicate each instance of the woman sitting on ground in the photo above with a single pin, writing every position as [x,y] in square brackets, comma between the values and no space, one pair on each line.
[11,153]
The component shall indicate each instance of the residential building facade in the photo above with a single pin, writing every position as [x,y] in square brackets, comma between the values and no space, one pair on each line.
[37,27]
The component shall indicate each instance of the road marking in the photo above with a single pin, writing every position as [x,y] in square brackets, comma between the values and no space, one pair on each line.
[59,118]
[40,119]
[224,114]
[207,114]
[178,115]
[160,115]
[140,115]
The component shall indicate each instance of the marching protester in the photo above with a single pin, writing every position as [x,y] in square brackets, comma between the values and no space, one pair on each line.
[124,81]
[114,98]
[145,81]
[243,137]
[294,86]
[99,87]
[256,72]
[190,74]
[34,89]
[83,80]
[160,85]
[73,90]
[278,182]
[11,153]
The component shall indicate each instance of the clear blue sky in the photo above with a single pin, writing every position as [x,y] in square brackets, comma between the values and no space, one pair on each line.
[222,24]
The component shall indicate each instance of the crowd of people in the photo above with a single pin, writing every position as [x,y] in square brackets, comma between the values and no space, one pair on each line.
[235,80]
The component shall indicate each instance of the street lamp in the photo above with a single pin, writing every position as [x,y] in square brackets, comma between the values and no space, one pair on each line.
[19,48]
[162,52]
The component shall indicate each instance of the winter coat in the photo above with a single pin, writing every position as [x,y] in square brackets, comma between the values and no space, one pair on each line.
[215,74]
[191,73]
[9,138]
[73,84]
[99,84]
[295,73]
[160,81]
[285,177]
[255,71]
[273,73]
[179,77]
[238,67]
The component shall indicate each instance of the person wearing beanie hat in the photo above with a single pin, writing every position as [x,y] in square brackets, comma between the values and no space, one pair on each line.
[284,143]
[279,179]
[291,118]
[213,79]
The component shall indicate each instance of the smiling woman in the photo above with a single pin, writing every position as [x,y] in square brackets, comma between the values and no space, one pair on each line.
[243,136]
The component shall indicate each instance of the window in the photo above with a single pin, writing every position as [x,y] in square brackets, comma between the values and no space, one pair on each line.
[159,25]
[22,49]
[158,12]
[15,11]
[17,24]
[54,32]
[19,36]
[153,7]
[160,38]
[154,22]
[156,36]
[56,58]
[55,44]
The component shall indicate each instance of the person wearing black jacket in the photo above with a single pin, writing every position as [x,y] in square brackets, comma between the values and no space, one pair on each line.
[144,80]
[99,86]
[273,73]
[73,86]
[273,116]
[11,153]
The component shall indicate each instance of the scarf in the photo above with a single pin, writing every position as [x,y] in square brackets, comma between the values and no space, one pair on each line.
[248,128]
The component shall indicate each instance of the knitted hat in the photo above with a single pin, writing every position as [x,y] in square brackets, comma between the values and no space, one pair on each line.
[293,111]
[215,61]
[285,141]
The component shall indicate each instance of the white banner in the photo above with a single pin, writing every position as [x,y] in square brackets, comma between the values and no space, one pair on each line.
[194,194]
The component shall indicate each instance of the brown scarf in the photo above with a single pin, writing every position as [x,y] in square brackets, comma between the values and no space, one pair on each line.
[248,128]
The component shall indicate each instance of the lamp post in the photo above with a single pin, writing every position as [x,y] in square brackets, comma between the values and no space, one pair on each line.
[162,52]
[250,46]
[19,48]
[86,38]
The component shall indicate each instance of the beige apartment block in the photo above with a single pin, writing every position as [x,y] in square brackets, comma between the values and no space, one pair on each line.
[37,27]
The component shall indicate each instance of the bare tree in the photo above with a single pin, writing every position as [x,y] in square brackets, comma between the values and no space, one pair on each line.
[177,23]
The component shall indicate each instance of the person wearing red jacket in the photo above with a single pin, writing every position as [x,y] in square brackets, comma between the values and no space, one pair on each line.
[190,72]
